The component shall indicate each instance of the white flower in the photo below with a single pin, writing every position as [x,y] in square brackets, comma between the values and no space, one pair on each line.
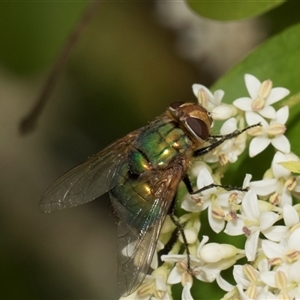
[268,133]
[270,224]
[283,281]
[247,278]
[282,183]
[216,200]
[154,286]
[262,96]
[180,272]
[230,149]
[212,102]
[131,249]
[252,221]
[287,251]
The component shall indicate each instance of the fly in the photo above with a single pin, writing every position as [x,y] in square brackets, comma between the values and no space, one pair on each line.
[141,172]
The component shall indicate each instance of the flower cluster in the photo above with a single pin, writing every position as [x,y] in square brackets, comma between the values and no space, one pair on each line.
[262,211]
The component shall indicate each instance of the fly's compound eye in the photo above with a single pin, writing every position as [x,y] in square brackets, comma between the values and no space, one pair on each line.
[198,127]
[175,105]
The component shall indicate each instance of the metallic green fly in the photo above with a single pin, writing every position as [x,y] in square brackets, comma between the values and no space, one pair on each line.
[141,172]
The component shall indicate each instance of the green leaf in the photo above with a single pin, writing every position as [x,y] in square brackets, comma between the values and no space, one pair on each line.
[224,10]
[33,32]
[276,59]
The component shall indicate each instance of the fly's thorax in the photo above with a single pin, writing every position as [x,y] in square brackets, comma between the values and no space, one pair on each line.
[194,120]
[158,145]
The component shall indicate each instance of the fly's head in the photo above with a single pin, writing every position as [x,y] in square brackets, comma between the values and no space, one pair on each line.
[193,118]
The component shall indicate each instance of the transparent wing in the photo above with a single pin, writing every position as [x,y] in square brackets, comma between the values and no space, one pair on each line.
[88,180]
[138,232]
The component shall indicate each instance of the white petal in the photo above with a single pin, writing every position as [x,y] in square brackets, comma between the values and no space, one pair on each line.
[282,115]
[290,215]
[243,103]
[154,262]
[202,243]
[246,182]
[294,239]
[266,295]
[264,187]
[250,205]
[267,219]
[277,94]
[189,205]
[297,187]
[263,265]
[257,145]
[276,233]
[251,246]
[208,273]
[293,272]
[254,118]
[271,249]
[186,292]
[197,87]
[223,284]
[277,169]
[175,276]
[286,197]
[228,126]
[281,143]
[269,278]
[204,178]
[160,283]
[268,112]
[253,85]
[235,227]
[239,276]
[218,96]
[215,224]
[291,156]
[222,112]
[242,294]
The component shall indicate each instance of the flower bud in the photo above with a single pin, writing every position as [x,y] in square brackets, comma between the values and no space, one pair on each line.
[214,252]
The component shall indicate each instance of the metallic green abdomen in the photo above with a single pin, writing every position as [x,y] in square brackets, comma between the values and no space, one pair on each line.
[133,191]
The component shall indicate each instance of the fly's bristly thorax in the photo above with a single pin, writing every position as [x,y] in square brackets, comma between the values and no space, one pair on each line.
[193,118]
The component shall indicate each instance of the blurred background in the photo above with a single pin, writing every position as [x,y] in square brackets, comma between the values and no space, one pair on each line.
[132,61]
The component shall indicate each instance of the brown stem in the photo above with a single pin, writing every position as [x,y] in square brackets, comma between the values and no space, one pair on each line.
[28,123]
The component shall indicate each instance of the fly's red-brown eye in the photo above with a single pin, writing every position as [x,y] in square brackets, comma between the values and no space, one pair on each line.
[198,127]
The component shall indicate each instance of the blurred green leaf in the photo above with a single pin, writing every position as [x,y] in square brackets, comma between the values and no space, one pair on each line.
[276,59]
[224,10]
[32,33]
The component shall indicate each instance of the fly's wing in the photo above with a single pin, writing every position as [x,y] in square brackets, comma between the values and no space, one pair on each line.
[138,231]
[88,180]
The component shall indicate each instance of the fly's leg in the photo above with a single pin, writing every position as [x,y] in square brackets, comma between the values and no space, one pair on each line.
[180,226]
[189,187]
[222,138]
[180,229]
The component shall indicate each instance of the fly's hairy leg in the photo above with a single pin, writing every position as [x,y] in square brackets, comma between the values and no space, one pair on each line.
[220,139]
[180,228]
[189,187]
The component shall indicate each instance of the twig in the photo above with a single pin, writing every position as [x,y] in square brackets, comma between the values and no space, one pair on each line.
[28,123]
